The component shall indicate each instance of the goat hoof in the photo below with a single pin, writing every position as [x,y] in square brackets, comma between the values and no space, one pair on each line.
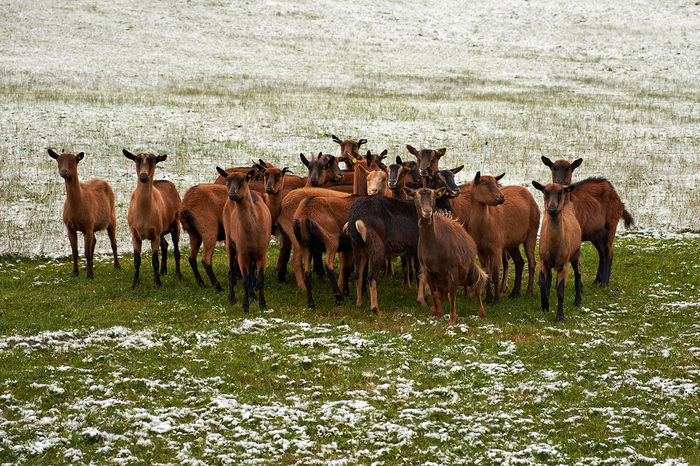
[339,301]
[117,266]
[90,275]
[375,310]
[74,274]
[311,304]
[218,288]
[560,317]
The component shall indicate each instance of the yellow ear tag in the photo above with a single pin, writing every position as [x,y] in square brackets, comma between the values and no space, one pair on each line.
[354,160]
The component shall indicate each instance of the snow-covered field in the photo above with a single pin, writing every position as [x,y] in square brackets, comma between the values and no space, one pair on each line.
[214,83]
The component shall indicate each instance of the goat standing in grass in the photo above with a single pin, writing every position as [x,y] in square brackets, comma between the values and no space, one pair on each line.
[152,215]
[598,210]
[247,226]
[499,223]
[446,253]
[89,207]
[560,243]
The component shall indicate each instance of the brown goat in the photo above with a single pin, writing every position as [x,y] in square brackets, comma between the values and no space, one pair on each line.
[447,254]
[560,243]
[201,215]
[497,224]
[427,160]
[598,209]
[247,229]
[322,169]
[349,150]
[89,207]
[152,215]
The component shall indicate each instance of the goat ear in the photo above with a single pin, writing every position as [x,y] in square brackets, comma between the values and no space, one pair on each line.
[409,192]
[569,188]
[411,150]
[575,164]
[262,163]
[457,170]
[251,174]
[161,158]
[547,162]
[330,162]
[285,170]
[538,186]
[80,156]
[128,154]
[53,155]
[398,160]
[222,172]
[440,152]
[364,169]
[361,141]
[304,160]
[498,178]
[384,153]
[477,177]
[440,192]
[336,139]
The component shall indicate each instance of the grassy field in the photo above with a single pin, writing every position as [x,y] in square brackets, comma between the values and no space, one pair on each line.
[91,371]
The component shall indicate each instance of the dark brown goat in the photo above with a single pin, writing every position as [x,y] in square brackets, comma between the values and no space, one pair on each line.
[427,160]
[323,168]
[598,209]
[403,174]
[152,215]
[447,254]
[498,223]
[89,207]
[381,226]
[247,228]
[560,243]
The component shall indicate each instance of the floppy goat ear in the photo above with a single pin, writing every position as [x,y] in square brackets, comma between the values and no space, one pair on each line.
[547,162]
[328,164]
[128,154]
[53,155]
[440,152]
[409,192]
[569,188]
[251,174]
[537,186]
[222,172]
[80,156]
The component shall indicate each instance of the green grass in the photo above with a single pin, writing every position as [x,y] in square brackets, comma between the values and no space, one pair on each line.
[93,371]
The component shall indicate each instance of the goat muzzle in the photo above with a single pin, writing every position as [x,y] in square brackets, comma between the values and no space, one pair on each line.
[501,200]
[63,173]
[143,178]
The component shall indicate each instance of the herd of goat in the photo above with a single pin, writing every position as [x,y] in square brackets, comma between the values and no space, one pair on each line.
[366,214]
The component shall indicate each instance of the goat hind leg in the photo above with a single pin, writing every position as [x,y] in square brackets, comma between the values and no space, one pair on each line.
[164,259]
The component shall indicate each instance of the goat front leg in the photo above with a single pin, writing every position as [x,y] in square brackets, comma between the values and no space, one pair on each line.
[136,242]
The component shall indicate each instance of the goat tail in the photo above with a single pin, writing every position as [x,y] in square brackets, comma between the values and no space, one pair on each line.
[187,220]
[629,221]
[300,233]
[478,278]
